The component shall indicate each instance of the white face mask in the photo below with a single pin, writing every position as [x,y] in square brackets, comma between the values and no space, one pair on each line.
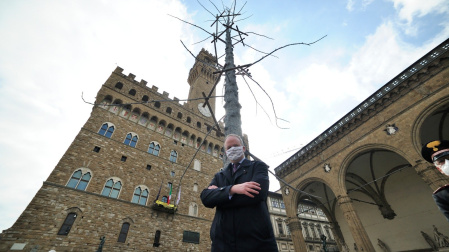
[234,153]
[445,167]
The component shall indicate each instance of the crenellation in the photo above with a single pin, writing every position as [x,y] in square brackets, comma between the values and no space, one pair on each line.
[154,88]
[131,76]
[143,82]
[165,94]
[118,70]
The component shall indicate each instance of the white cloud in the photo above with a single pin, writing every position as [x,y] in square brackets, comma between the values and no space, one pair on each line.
[408,9]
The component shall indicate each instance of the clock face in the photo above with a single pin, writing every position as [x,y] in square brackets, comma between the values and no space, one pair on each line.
[204,110]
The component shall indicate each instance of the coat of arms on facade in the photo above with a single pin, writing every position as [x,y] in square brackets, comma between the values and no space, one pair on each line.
[327,167]
[287,191]
[391,129]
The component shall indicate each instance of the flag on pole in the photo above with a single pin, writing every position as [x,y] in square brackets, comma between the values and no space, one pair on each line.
[157,197]
[179,196]
[169,196]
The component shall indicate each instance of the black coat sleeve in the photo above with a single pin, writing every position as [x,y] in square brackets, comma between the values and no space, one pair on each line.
[214,197]
[260,175]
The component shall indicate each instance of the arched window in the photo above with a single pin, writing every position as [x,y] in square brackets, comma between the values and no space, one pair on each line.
[164,199]
[177,134]
[67,225]
[198,142]
[126,111]
[132,92]
[215,153]
[157,104]
[189,120]
[119,85]
[169,130]
[135,115]
[131,139]
[106,101]
[106,130]
[154,148]
[79,180]
[173,156]
[197,165]
[184,137]
[140,196]
[161,127]
[157,237]
[193,209]
[123,232]
[145,98]
[144,119]
[192,140]
[198,124]
[179,115]
[112,189]
[153,123]
[117,104]
[168,110]
[209,148]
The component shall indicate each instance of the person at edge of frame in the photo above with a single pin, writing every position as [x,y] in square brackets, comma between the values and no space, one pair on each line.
[437,152]
[239,193]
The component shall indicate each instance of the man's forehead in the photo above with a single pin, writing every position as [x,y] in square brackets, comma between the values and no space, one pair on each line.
[232,140]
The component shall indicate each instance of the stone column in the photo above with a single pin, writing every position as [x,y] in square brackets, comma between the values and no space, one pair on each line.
[431,175]
[294,224]
[355,225]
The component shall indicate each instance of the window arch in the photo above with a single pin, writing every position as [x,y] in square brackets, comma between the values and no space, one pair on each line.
[106,101]
[135,114]
[131,139]
[197,165]
[192,140]
[189,120]
[198,125]
[154,148]
[123,232]
[132,92]
[169,130]
[179,115]
[140,195]
[161,127]
[168,110]
[145,98]
[80,179]
[67,224]
[173,156]
[119,85]
[209,148]
[153,123]
[184,137]
[117,103]
[144,119]
[198,142]
[193,209]
[195,187]
[112,188]
[107,129]
[157,237]
[126,111]
[177,133]
[157,104]
[216,148]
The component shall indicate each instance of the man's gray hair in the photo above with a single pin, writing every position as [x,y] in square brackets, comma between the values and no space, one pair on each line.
[237,136]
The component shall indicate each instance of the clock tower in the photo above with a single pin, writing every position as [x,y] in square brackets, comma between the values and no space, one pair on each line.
[201,79]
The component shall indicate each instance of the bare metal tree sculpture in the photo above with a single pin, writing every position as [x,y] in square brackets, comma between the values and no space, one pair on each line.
[226,21]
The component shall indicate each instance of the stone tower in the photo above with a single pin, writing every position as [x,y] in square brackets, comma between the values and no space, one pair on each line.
[201,79]
[134,145]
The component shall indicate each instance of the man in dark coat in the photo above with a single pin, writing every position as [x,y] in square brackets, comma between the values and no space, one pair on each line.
[239,193]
